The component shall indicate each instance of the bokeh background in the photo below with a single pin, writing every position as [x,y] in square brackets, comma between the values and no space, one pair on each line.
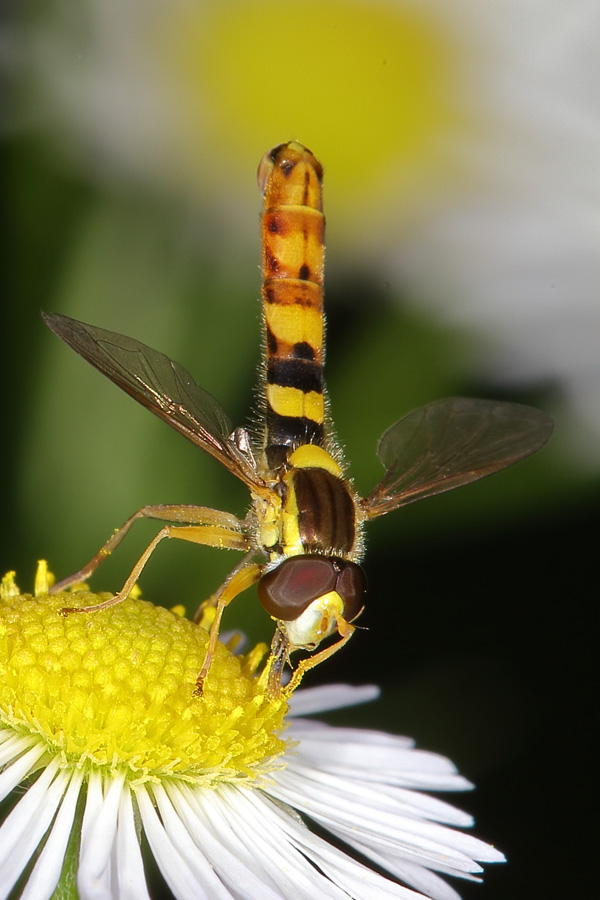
[460,142]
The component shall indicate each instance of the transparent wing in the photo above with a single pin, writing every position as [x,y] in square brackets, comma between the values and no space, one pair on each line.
[450,443]
[162,386]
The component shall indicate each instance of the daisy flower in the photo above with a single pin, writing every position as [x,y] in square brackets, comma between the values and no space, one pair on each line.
[105,747]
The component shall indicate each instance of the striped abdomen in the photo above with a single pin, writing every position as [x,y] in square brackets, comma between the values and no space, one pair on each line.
[293,229]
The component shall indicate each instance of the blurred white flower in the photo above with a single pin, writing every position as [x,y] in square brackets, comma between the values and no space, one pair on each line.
[515,256]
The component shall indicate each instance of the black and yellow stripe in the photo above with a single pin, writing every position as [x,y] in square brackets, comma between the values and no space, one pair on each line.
[293,231]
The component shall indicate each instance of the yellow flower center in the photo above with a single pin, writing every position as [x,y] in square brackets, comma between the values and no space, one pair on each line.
[370,87]
[116,689]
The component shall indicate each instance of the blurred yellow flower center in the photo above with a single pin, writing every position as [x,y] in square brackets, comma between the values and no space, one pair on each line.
[115,688]
[366,85]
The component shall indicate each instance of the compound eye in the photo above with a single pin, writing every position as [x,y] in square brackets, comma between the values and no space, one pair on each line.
[288,590]
[351,585]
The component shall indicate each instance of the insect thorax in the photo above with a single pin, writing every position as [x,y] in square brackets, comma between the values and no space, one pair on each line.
[313,509]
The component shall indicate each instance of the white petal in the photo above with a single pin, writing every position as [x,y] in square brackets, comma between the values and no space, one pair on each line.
[223,849]
[414,873]
[400,801]
[378,827]
[377,756]
[265,829]
[25,826]
[12,745]
[329,799]
[129,862]
[96,876]
[443,857]
[47,870]
[195,858]
[6,735]
[357,736]
[420,879]
[174,867]
[327,697]
[19,770]
[357,879]
[341,872]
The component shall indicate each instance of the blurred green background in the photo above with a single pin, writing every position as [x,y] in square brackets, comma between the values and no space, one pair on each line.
[477,620]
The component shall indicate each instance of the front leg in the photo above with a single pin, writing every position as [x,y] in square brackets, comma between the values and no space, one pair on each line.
[280,655]
[239,580]
[214,529]
[346,630]
[193,533]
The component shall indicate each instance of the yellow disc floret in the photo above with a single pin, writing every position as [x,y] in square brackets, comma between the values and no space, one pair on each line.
[116,689]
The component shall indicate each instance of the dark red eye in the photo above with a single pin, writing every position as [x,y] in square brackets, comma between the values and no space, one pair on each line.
[352,588]
[285,592]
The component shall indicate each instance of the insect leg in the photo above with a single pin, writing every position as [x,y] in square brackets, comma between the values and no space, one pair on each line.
[205,614]
[346,631]
[220,529]
[196,534]
[242,577]
[279,656]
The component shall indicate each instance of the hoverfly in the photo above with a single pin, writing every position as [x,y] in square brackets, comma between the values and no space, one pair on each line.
[302,538]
